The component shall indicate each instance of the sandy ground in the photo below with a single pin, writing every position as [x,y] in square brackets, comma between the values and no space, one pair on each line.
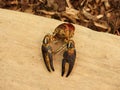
[97,65]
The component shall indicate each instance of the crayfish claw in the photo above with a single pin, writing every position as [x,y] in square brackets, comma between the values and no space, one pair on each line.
[69,57]
[63,66]
[71,64]
[51,61]
[45,61]
[47,53]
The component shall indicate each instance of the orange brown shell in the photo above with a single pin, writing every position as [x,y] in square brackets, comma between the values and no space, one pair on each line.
[64,31]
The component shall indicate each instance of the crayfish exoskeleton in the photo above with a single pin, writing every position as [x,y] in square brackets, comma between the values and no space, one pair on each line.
[62,34]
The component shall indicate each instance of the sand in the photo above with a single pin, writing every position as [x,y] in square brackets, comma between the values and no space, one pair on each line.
[97,65]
